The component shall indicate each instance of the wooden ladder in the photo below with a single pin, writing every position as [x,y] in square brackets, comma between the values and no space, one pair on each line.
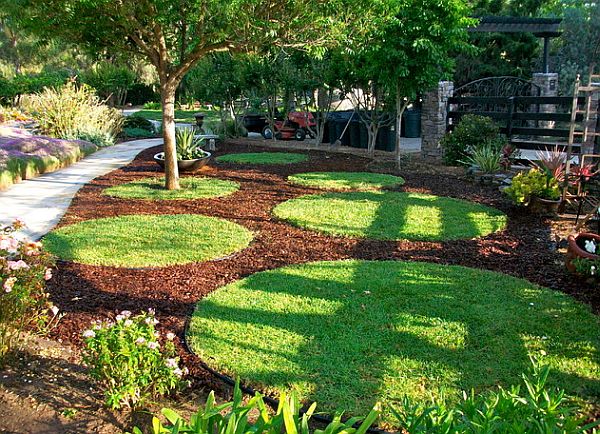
[586,91]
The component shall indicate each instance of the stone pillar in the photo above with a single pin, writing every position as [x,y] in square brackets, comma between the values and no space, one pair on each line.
[433,119]
[548,83]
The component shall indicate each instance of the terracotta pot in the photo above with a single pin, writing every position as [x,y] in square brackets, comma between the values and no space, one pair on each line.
[576,248]
[184,165]
[537,205]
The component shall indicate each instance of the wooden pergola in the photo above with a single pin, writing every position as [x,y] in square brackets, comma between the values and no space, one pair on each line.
[540,27]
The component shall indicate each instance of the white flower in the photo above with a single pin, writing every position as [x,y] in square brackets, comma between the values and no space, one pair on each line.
[48,274]
[9,284]
[590,246]
[170,336]
[120,318]
[126,314]
[89,334]
[177,372]
[140,341]
[151,321]
[17,265]
[151,311]
[54,310]
[153,345]
[171,363]
[128,323]
[593,270]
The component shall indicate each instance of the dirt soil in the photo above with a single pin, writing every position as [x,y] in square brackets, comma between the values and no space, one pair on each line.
[528,248]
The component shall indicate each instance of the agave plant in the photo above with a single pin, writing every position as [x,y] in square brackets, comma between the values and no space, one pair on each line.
[188,146]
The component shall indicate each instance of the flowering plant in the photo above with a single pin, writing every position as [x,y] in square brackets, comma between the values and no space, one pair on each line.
[24,268]
[128,359]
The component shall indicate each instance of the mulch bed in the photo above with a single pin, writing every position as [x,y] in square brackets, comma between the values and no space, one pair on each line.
[525,249]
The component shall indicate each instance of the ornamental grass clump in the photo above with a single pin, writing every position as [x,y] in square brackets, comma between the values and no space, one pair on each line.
[130,360]
[24,269]
[75,112]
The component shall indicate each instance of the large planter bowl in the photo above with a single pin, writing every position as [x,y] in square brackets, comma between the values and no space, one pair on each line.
[548,207]
[576,248]
[184,165]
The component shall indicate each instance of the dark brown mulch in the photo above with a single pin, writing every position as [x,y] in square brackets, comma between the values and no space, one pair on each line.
[525,249]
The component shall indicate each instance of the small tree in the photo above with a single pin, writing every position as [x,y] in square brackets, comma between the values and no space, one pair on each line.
[174,35]
[413,47]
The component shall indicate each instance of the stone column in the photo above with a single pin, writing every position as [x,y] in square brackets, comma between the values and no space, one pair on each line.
[433,119]
[548,83]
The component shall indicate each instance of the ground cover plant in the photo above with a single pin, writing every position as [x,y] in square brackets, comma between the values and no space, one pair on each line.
[346,180]
[391,216]
[148,241]
[29,156]
[263,158]
[24,303]
[192,187]
[130,359]
[425,331]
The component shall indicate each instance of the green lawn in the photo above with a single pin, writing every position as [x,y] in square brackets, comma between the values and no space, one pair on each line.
[181,116]
[346,180]
[191,188]
[263,158]
[148,240]
[349,333]
[391,216]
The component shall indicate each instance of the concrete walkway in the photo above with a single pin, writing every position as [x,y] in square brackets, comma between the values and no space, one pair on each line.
[42,201]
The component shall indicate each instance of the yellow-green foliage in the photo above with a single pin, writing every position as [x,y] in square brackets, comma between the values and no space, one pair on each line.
[533,183]
[73,111]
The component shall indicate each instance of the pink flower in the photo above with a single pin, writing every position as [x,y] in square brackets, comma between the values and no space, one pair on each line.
[9,284]
[48,274]
[89,334]
[171,363]
[8,243]
[170,336]
[153,345]
[17,265]
[140,341]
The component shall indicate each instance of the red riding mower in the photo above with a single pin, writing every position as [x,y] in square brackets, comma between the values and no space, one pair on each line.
[296,126]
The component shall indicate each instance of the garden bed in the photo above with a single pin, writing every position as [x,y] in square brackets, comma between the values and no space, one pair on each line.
[26,157]
[86,292]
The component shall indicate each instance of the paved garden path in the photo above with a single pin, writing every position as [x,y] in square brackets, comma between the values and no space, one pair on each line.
[42,201]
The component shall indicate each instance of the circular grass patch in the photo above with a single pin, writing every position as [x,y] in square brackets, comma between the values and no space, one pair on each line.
[347,334]
[263,158]
[148,240]
[191,188]
[391,216]
[346,180]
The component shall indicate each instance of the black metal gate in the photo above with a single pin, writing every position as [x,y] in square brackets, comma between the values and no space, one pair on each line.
[529,120]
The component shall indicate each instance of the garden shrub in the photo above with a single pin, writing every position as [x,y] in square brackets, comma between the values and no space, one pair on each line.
[24,304]
[111,82]
[73,112]
[134,121]
[127,358]
[471,133]
[536,409]
[533,183]
[238,417]
[136,133]
[152,105]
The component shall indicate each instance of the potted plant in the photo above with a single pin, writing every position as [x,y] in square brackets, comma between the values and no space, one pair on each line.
[190,155]
[536,189]
[583,254]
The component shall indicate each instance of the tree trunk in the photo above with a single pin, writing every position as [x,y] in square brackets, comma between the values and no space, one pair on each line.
[401,105]
[167,97]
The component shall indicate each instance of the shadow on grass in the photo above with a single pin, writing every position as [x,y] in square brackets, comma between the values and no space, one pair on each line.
[380,330]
